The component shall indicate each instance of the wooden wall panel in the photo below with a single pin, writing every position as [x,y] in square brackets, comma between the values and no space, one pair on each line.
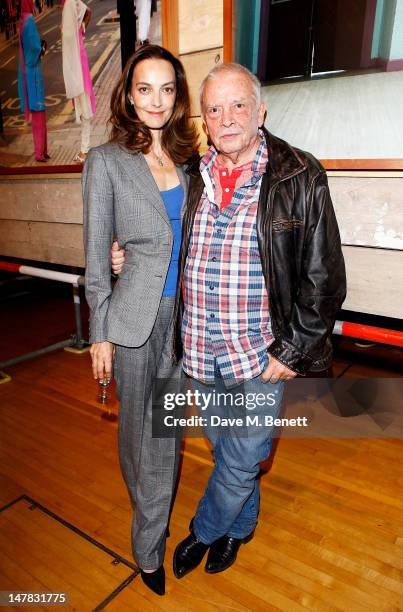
[60,243]
[369,210]
[45,219]
[170,25]
[363,164]
[194,31]
[374,281]
[197,65]
[202,134]
[200,25]
[49,200]
[229,30]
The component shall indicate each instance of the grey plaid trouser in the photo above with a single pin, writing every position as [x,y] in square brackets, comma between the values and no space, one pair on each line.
[149,465]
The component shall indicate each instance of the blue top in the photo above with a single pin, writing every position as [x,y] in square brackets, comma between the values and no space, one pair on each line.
[31,43]
[173,199]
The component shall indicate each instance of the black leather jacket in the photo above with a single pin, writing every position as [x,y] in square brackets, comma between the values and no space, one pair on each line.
[301,255]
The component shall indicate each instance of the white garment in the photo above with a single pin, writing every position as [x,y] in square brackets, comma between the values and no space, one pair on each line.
[82,107]
[85,135]
[143,10]
[72,16]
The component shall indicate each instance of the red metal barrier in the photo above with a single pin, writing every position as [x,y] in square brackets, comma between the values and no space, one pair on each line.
[10,267]
[368,332]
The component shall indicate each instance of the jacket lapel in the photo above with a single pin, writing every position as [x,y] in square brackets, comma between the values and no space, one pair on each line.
[137,170]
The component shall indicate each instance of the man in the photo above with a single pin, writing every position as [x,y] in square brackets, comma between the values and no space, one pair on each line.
[262,275]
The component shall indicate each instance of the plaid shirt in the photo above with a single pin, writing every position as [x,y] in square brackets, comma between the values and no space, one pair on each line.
[226,323]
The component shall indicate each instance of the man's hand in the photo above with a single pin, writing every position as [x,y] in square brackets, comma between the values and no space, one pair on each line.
[102,354]
[118,258]
[276,371]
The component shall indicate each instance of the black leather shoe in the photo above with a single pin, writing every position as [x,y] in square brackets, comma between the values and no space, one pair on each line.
[188,554]
[222,554]
[155,580]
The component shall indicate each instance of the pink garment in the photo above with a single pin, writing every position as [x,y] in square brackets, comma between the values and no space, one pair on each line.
[86,69]
[27,7]
[39,133]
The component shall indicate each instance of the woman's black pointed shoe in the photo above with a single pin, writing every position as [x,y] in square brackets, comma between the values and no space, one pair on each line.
[155,580]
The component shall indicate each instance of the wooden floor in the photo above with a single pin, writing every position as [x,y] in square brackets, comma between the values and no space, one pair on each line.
[330,531]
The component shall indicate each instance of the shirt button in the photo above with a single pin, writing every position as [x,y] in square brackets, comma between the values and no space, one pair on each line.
[224,174]
[227,189]
[212,315]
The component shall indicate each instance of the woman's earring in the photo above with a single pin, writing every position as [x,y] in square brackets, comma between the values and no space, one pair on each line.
[131,101]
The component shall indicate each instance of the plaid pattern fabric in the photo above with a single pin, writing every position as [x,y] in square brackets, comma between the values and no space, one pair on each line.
[226,323]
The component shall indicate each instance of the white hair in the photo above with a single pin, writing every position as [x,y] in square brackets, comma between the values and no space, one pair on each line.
[232,68]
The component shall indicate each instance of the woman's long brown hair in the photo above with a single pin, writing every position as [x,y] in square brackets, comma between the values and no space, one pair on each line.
[179,135]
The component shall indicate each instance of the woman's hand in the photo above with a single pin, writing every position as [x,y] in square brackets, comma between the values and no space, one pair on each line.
[118,258]
[102,354]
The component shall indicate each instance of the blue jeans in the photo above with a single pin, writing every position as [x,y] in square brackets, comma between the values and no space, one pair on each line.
[230,504]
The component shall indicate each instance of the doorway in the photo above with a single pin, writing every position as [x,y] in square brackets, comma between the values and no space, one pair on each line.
[300,38]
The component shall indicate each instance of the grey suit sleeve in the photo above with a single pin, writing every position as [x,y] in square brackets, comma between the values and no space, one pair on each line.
[98,235]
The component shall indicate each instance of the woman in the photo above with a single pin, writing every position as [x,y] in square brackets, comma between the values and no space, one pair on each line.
[76,72]
[30,83]
[134,188]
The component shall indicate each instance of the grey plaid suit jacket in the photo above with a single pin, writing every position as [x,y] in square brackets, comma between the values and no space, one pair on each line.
[122,201]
